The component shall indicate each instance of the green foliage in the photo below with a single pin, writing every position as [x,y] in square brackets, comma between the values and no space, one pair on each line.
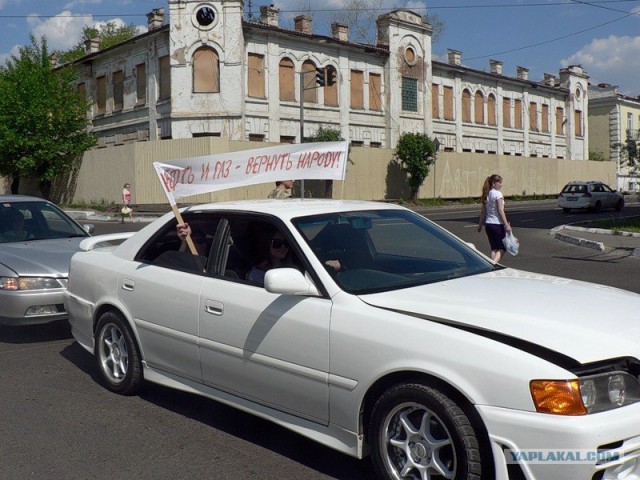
[629,154]
[597,156]
[416,152]
[43,119]
[327,135]
[110,34]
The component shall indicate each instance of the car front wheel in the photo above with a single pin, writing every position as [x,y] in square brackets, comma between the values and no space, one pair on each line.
[619,205]
[117,355]
[418,432]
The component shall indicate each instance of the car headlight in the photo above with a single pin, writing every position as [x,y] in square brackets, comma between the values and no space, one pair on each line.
[30,283]
[588,394]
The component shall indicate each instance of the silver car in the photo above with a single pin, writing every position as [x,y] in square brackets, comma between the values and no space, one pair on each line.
[37,240]
[589,195]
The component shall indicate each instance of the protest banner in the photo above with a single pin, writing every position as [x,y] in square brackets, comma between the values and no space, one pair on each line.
[210,173]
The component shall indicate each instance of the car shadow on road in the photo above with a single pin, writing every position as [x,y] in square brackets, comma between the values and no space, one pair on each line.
[23,334]
[239,424]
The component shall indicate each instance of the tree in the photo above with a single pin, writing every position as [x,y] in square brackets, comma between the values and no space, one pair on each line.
[361,15]
[416,152]
[110,34]
[43,118]
[630,154]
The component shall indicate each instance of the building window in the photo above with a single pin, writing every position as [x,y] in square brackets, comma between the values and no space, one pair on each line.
[287,139]
[287,80]
[205,134]
[479,108]
[81,88]
[331,91]
[101,95]
[491,110]
[447,103]
[141,84]
[309,82]
[517,114]
[206,71]
[577,115]
[256,137]
[435,96]
[375,144]
[545,118]
[256,75]
[533,117]
[466,106]
[165,78]
[559,121]
[357,89]
[409,94]
[629,121]
[375,92]
[357,143]
[118,90]
[506,112]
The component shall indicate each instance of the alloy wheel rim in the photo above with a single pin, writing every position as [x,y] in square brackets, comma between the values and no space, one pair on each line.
[417,445]
[114,356]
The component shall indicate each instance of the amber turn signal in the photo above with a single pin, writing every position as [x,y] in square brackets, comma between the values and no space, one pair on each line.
[560,397]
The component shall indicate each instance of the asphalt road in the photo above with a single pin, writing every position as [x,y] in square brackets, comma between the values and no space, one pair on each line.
[58,422]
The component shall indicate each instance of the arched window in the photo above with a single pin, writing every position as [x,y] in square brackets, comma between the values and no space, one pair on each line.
[287,80]
[466,106]
[309,82]
[479,107]
[206,71]
[491,110]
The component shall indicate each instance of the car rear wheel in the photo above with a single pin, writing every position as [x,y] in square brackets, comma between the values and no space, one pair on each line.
[566,210]
[620,205]
[418,432]
[117,355]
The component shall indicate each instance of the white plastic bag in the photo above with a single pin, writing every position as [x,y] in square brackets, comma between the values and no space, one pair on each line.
[511,243]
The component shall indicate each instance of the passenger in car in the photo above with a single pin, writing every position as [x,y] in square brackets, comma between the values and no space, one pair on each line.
[279,256]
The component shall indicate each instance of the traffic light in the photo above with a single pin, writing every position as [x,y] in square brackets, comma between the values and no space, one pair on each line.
[331,75]
[320,77]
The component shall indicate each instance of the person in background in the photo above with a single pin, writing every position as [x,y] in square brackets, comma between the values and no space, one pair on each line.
[492,216]
[126,201]
[283,189]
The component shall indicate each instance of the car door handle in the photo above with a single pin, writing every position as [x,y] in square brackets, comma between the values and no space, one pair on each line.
[213,307]
[128,284]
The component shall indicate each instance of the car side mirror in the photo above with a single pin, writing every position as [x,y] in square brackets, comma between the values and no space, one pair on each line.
[89,228]
[289,281]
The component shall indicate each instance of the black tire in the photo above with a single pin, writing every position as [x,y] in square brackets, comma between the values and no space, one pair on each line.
[619,205]
[566,210]
[418,432]
[597,207]
[117,355]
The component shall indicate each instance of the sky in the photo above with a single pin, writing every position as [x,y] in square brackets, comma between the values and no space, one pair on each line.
[603,36]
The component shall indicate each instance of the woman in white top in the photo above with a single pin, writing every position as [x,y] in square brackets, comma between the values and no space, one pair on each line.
[493,217]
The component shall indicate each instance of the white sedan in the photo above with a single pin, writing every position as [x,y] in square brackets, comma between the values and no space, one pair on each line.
[380,334]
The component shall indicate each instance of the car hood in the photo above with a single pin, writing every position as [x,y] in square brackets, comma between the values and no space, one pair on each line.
[584,321]
[40,257]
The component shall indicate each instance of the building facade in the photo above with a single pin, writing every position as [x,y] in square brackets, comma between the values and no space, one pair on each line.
[613,119]
[205,71]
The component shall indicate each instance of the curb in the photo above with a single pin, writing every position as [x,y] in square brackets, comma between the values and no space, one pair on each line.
[582,242]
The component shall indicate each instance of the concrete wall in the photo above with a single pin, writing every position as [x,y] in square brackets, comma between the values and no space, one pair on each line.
[372,175]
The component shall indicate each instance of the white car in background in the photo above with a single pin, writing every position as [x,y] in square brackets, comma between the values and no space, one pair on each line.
[589,195]
[419,351]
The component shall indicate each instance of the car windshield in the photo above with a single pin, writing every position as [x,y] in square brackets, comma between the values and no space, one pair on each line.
[33,220]
[388,249]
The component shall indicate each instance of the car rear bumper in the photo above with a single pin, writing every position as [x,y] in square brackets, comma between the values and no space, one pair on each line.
[548,446]
[32,307]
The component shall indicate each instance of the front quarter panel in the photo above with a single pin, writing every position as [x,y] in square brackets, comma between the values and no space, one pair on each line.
[369,343]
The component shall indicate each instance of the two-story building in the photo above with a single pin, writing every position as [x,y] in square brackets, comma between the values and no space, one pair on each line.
[206,71]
